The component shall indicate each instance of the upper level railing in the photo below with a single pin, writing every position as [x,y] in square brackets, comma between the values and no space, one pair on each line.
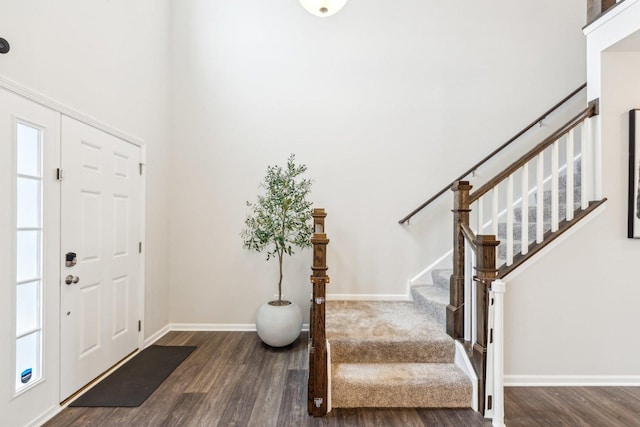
[493,153]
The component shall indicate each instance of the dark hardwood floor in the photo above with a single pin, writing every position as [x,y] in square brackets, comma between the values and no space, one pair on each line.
[232,379]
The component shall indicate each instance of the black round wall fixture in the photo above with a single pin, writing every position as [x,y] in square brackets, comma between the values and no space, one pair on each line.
[4,45]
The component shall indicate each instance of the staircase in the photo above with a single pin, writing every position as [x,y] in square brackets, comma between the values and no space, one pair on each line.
[404,354]
[397,354]
[392,354]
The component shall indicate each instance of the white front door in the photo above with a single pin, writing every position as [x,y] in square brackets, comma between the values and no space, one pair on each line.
[101,208]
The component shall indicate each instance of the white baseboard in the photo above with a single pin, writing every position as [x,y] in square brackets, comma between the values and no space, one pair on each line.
[240,327]
[219,327]
[368,297]
[571,380]
[156,336]
[46,416]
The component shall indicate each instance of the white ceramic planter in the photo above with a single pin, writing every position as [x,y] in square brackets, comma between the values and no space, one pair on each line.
[279,325]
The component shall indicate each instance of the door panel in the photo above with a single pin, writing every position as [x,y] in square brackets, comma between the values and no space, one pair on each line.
[101,225]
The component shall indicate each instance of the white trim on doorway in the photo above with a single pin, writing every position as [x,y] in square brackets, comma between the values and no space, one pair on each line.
[45,101]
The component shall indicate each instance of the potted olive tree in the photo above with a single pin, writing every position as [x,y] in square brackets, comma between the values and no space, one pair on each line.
[278,222]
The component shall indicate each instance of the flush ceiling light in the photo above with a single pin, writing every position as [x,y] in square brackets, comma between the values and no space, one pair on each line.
[323,7]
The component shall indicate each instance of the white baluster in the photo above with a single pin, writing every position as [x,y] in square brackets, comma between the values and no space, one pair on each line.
[524,222]
[569,180]
[540,199]
[494,210]
[585,164]
[469,293]
[480,215]
[594,135]
[510,220]
[554,186]
[474,302]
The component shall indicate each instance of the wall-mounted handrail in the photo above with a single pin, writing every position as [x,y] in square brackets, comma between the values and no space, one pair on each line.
[590,111]
[493,153]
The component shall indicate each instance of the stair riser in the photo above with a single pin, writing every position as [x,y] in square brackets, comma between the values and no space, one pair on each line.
[441,277]
[377,396]
[435,309]
[577,179]
[533,213]
[502,249]
[404,385]
[562,196]
[517,231]
[376,352]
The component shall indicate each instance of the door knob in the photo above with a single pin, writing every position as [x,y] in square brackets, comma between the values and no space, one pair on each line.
[71,279]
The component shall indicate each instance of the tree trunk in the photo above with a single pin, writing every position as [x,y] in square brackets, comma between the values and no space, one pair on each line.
[280,254]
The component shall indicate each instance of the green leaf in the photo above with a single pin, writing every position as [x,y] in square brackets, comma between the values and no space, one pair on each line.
[281,217]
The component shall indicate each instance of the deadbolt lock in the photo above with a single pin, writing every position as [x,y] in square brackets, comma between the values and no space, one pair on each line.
[70,259]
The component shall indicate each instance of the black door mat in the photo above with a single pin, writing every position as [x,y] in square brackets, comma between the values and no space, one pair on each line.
[132,383]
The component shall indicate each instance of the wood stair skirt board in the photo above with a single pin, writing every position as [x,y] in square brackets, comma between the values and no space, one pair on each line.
[392,354]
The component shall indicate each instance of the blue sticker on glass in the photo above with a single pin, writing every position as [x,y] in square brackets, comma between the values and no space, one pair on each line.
[25,376]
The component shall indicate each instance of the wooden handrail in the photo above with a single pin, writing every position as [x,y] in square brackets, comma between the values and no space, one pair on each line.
[469,235]
[590,111]
[493,153]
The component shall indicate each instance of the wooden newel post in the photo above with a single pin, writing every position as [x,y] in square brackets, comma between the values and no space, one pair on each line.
[486,273]
[455,309]
[318,375]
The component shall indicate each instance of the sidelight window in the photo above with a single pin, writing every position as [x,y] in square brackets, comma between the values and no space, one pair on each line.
[29,256]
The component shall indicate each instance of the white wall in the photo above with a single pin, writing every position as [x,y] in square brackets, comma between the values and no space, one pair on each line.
[106,59]
[385,103]
[568,318]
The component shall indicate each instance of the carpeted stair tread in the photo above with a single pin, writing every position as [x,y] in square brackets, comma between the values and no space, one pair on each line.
[385,332]
[432,300]
[391,385]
